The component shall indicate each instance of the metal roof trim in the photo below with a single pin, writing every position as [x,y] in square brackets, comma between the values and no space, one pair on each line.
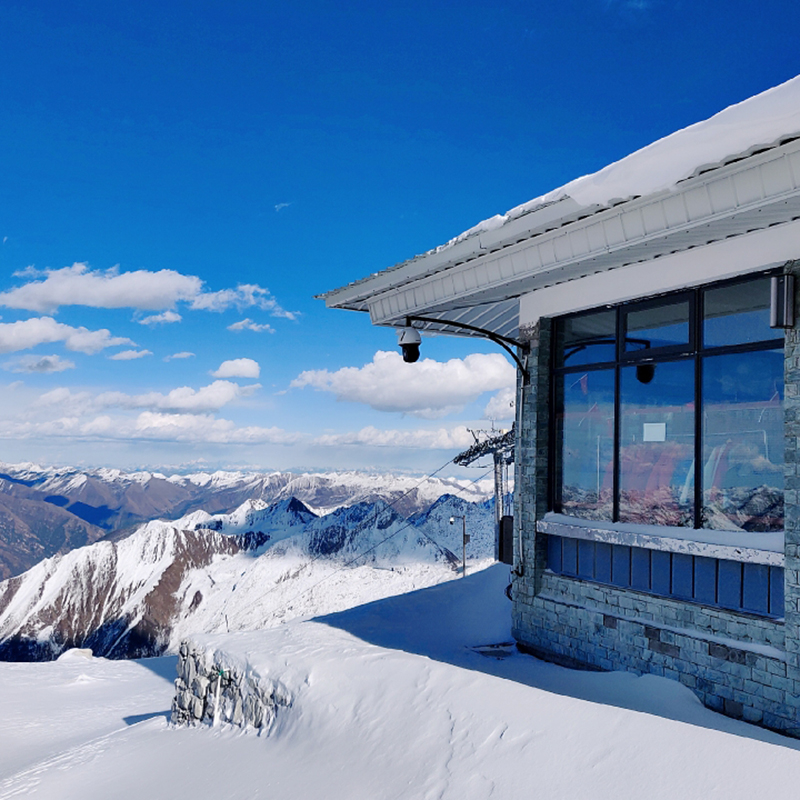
[514,230]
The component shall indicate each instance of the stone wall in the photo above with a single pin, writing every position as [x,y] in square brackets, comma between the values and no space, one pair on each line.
[209,685]
[735,663]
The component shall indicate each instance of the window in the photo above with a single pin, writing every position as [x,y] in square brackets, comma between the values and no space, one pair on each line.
[670,411]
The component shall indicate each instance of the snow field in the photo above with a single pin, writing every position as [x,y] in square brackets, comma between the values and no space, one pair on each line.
[389,701]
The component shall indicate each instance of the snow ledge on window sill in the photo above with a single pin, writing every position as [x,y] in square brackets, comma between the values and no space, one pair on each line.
[729,545]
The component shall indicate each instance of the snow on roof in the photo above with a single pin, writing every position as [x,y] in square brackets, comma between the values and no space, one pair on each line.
[755,124]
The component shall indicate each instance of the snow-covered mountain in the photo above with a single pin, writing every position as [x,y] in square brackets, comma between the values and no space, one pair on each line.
[253,568]
[45,511]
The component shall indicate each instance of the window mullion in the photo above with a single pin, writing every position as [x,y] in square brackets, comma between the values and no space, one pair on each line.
[617,427]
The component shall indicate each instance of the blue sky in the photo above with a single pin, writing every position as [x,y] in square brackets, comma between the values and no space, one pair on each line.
[182,178]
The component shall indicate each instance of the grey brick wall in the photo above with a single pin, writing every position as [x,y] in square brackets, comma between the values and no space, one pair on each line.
[742,665]
[791,486]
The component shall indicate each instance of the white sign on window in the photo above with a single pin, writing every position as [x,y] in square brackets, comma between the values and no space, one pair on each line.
[654,432]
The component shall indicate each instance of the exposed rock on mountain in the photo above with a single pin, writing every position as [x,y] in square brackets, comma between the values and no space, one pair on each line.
[115,598]
[32,529]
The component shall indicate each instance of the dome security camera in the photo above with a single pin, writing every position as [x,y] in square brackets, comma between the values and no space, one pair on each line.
[409,340]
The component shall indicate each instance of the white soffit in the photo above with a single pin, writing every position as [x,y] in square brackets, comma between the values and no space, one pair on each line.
[730,258]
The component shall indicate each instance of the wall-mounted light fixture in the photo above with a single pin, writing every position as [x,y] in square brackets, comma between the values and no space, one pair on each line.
[781,306]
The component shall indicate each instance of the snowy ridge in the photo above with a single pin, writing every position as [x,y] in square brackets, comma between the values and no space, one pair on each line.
[250,569]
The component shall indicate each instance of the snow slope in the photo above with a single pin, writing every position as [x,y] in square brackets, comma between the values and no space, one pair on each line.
[390,700]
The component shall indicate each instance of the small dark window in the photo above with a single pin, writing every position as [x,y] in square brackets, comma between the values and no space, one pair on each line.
[587,339]
[657,327]
[737,314]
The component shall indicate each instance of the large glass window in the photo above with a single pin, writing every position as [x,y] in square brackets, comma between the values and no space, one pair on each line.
[743,441]
[657,443]
[670,411]
[586,443]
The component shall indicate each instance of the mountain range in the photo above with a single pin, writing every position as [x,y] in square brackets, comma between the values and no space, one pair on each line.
[45,511]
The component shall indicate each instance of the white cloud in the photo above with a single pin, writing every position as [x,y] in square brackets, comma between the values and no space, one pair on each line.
[144,290]
[245,295]
[207,398]
[130,355]
[152,426]
[427,389]
[25,334]
[238,368]
[502,405]
[79,286]
[423,439]
[281,206]
[183,354]
[65,399]
[182,399]
[190,427]
[161,319]
[40,364]
[248,324]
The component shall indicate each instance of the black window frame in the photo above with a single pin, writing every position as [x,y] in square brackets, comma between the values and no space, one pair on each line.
[694,350]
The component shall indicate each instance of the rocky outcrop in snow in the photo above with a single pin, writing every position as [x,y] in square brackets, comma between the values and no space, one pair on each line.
[211,688]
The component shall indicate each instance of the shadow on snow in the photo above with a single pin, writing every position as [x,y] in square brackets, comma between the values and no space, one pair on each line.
[458,623]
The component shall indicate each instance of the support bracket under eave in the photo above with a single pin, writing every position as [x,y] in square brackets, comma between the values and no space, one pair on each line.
[504,341]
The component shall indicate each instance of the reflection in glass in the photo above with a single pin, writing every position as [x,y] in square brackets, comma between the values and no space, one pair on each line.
[585,436]
[659,326]
[743,441]
[587,339]
[737,313]
[657,444]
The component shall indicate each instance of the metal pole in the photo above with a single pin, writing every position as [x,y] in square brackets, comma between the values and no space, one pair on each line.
[464,543]
[464,551]
[498,499]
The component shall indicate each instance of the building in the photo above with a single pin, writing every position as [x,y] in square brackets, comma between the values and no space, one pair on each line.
[651,306]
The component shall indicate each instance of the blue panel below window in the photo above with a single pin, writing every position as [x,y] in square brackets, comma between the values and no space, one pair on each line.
[754,588]
[705,580]
[640,569]
[554,553]
[776,591]
[620,565]
[660,572]
[682,573]
[755,594]
[602,562]
[569,556]
[585,559]
[729,590]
